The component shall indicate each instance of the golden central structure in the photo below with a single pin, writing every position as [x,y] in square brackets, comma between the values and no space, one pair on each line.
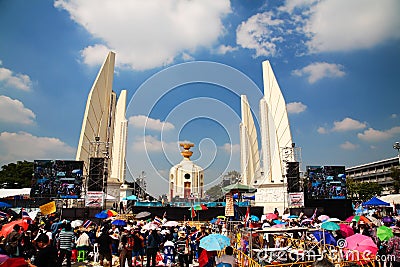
[186,179]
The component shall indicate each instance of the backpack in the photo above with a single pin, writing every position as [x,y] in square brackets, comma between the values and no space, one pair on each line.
[130,242]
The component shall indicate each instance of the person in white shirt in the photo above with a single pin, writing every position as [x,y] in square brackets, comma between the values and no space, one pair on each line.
[228,258]
[83,241]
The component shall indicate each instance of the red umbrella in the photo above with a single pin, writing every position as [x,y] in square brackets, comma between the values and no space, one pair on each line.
[361,243]
[7,228]
[271,216]
[346,230]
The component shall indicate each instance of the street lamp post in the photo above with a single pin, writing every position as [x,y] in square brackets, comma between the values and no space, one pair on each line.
[397,147]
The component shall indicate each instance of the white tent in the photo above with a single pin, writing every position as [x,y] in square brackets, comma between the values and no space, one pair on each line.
[394,198]
[14,192]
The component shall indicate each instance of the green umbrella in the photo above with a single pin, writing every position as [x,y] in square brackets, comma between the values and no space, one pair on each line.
[234,188]
[384,233]
[331,226]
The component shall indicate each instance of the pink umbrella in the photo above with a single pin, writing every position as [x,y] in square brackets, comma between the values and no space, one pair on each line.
[346,230]
[278,226]
[361,243]
[323,218]
[271,216]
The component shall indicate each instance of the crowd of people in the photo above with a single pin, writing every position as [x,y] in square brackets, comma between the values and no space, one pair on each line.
[49,242]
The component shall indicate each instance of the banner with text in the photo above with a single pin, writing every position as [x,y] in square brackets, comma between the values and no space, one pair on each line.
[48,208]
[229,210]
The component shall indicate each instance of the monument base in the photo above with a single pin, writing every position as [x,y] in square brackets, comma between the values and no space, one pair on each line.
[272,196]
[114,190]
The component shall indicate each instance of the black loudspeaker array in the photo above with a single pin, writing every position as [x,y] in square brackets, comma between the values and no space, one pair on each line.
[293,176]
[96,174]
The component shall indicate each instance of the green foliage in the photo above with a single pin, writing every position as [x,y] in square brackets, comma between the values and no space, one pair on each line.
[17,175]
[214,192]
[395,174]
[362,191]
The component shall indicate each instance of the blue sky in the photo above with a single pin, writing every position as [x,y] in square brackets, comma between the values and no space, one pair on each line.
[184,64]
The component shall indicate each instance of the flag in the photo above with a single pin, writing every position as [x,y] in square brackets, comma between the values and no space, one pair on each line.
[25,214]
[3,214]
[157,221]
[193,212]
[315,214]
[247,217]
[87,223]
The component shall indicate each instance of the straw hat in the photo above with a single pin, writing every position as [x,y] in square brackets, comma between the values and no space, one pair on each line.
[182,234]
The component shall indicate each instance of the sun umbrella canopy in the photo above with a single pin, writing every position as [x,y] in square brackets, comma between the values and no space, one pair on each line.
[254,218]
[214,242]
[101,215]
[271,216]
[142,215]
[5,205]
[119,223]
[357,219]
[336,220]
[320,235]
[331,226]
[388,219]
[7,228]
[346,230]
[171,224]
[361,243]
[221,217]
[110,213]
[200,207]
[76,223]
[384,233]
[375,202]
[131,197]
[293,217]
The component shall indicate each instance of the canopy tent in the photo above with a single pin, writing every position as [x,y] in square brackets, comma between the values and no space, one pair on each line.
[393,198]
[375,202]
[241,188]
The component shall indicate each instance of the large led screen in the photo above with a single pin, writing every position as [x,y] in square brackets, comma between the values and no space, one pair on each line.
[326,182]
[57,178]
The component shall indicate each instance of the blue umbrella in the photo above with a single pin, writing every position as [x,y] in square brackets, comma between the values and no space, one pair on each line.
[254,218]
[119,223]
[214,220]
[101,215]
[329,239]
[293,217]
[278,222]
[214,242]
[131,197]
[5,205]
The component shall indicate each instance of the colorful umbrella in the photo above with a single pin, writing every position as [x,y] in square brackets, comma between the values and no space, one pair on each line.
[293,217]
[254,218]
[110,213]
[388,219]
[306,221]
[171,224]
[374,220]
[221,217]
[361,243]
[200,207]
[214,242]
[119,223]
[336,220]
[357,218]
[346,230]
[101,215]
[331,226]
[7,228]
[384,233]
[271,216]
[142,215]
[320,235]
[5,205]
[76,223]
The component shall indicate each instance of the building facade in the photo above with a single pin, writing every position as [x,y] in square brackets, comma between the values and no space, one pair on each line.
[377,172]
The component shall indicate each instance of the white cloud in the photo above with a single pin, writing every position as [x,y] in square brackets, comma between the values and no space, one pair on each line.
[223,49]
[372,135]
[19,81]
[319,70]
[361,24]
[393,116]
[348,124]
[13,111]
[231,148]
[25,146]
[260,32]
[348,146]
[151,143]
[148,34]
[295,107]
[322,130]
[141,121]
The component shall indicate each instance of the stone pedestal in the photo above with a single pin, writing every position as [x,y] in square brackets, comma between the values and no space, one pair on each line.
[272,196]
[114,190]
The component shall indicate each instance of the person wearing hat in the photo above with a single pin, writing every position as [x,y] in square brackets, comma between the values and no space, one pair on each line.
[182,249]
[393,247]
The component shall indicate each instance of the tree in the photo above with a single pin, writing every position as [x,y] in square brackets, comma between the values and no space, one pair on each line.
[352,188]
[368,190]
[214,192]
[17,175]
[395,174]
